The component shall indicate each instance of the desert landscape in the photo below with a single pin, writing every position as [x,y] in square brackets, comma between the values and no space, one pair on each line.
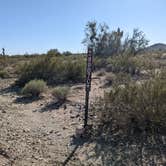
[42,131]
[82,83]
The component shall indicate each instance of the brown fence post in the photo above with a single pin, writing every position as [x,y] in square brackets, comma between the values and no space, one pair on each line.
[88,83]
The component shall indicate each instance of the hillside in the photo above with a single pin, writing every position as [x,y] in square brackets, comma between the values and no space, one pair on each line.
[157,47]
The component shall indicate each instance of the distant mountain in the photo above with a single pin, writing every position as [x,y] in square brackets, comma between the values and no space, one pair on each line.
[157,47]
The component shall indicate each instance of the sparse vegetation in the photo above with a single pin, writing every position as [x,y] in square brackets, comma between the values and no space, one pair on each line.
[134,108]
[61,93]
[123,64]
[118,79]
[127,101]
[53,52]
[100,63]
[4,74]
[34,88]
[54,70]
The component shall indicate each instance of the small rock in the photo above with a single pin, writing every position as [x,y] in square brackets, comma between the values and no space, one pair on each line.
[72,116]
[65,107]
[74,123]
[77,115]
[59,134]
[71,111]
[51,131]
[3,111]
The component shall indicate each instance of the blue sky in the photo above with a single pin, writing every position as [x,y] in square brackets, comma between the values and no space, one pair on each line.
[35,26]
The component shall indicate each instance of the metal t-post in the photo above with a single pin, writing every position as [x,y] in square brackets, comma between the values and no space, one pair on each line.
[88,83]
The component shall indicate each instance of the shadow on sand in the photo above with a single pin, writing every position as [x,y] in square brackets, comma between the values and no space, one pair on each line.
[26,100]
[52,106]
[76,142]
[10,89]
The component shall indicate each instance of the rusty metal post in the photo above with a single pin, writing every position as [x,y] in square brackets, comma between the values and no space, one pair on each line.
[88,83]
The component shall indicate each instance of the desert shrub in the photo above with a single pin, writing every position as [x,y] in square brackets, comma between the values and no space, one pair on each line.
[99,63]
[3,62]
[145,62]
[101,73]
[109,79]
[122,64]
[34,88]
[67,53]
[55,70]
[61,93]
[117,64]
[53,52]
[133,108]
[117,79]
[122,79]
[4,74]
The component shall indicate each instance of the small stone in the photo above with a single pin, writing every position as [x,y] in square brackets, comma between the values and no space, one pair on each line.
[59,134]
[3,111]
[51,131]
[65,107]
[64,128]
[72,116]
[77,115]
[74,123]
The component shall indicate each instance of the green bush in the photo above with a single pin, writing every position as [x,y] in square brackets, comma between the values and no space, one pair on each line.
[109,79]
[61,93]
[138,107]
[55,70]
[4,74]
[3,62]
[34,88]
[122,79]
[117,79]
[122,64]
[99,63]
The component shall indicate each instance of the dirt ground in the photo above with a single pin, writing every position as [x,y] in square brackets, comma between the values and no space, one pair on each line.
[40,133]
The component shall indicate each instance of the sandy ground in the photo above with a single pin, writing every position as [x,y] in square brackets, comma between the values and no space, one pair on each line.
[40,133]
[37,133]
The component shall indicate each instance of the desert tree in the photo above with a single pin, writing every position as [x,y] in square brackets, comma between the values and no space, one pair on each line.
[137,42]
[3,51]
[53,52]
[113,43]
[90,35]
[67,53]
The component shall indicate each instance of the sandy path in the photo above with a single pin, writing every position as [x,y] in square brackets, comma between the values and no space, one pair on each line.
[31,137]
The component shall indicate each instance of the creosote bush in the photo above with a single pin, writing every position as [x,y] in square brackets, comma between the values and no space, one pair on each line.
[117,79]
[122,64]
[133,108]
[34,88]
[100,63]
[61,93]
[53,70]
[4,74]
